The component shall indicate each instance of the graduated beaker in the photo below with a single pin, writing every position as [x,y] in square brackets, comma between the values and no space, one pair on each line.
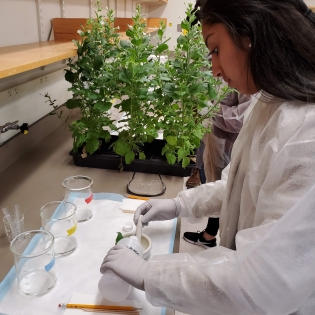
[58,218]
[34,259]
[78,190]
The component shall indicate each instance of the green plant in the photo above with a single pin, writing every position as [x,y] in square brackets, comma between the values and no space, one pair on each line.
[152,95]
[187,88]
[52,103]
[136,82]
[92,76]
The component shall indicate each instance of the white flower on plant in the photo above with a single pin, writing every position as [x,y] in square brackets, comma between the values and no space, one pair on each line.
[102,22]
[118,27]
[130,26]
[79,32]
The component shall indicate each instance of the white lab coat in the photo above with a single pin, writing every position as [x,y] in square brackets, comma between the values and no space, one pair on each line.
[265,214]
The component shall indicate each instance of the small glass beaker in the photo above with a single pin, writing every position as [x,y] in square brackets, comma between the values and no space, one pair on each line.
[34,259]
[78,190]
[13,225]
[58,218]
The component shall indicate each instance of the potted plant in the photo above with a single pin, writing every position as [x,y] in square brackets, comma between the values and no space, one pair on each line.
[92,76]
[188,86]
[136,79]
[153,96]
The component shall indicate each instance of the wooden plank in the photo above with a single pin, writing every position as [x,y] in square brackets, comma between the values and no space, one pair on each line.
[123,24]
[67,28]
[21,58]
[155,22]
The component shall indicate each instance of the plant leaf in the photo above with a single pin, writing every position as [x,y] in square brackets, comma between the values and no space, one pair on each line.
[161,48]
[142,156]
[121,148]
[73,103]
[91,145]
[185,162]
[92,95]
[103,106]
[70,76]
[119,237]
[172,140]
[129,157]
[125,44]
[105,135]
[171,158]
[181,153]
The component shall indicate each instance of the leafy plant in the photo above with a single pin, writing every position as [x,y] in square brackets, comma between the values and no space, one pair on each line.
[52,103]
[187,88]
[152,95]
[92,76]
[136,82]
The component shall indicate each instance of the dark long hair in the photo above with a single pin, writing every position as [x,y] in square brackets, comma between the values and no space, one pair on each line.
[282,33]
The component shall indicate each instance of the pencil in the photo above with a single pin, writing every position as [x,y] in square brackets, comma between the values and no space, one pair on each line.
[111,311]
[137,197]
[100,307]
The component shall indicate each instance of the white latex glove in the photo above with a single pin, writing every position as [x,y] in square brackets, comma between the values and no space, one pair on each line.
[157,210]
[126,264]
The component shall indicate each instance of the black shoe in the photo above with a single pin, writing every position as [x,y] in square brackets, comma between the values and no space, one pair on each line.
[196,238]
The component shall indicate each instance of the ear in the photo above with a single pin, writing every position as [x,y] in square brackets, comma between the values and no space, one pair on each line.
[246,43]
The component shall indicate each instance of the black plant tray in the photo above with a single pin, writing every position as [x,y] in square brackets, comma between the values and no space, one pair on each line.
[107,159]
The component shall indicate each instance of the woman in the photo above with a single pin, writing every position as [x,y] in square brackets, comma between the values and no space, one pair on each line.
[266,199]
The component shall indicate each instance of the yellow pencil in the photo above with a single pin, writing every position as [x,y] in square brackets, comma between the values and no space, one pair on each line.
[100,307]
[97,310]
[137,197]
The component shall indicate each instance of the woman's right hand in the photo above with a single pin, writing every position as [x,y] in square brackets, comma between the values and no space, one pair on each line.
[157,210]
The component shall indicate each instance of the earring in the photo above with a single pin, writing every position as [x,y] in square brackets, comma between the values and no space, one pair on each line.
[250,45]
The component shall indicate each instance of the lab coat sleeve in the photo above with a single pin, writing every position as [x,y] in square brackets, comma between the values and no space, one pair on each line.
[271,272]
[231,114]
[205,200]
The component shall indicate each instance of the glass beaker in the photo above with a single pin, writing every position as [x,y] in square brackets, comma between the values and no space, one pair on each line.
[58,218]
[78,190]
[34,259]
[13,225]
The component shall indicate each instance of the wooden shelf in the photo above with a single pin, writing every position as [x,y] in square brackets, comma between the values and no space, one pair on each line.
[153,1]
[21,58]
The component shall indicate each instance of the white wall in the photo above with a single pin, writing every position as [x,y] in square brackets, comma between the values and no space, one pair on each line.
[26,102]
[174,11]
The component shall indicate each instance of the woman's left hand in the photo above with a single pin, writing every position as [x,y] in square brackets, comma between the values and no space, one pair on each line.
[126,264]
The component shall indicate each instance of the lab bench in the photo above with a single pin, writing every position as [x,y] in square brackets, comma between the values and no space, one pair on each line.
[36,177]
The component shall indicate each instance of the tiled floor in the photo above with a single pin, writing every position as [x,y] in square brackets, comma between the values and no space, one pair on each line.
[185,247]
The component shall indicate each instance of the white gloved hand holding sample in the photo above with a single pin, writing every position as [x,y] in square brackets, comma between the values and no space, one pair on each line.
[126,264]
[157,210]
